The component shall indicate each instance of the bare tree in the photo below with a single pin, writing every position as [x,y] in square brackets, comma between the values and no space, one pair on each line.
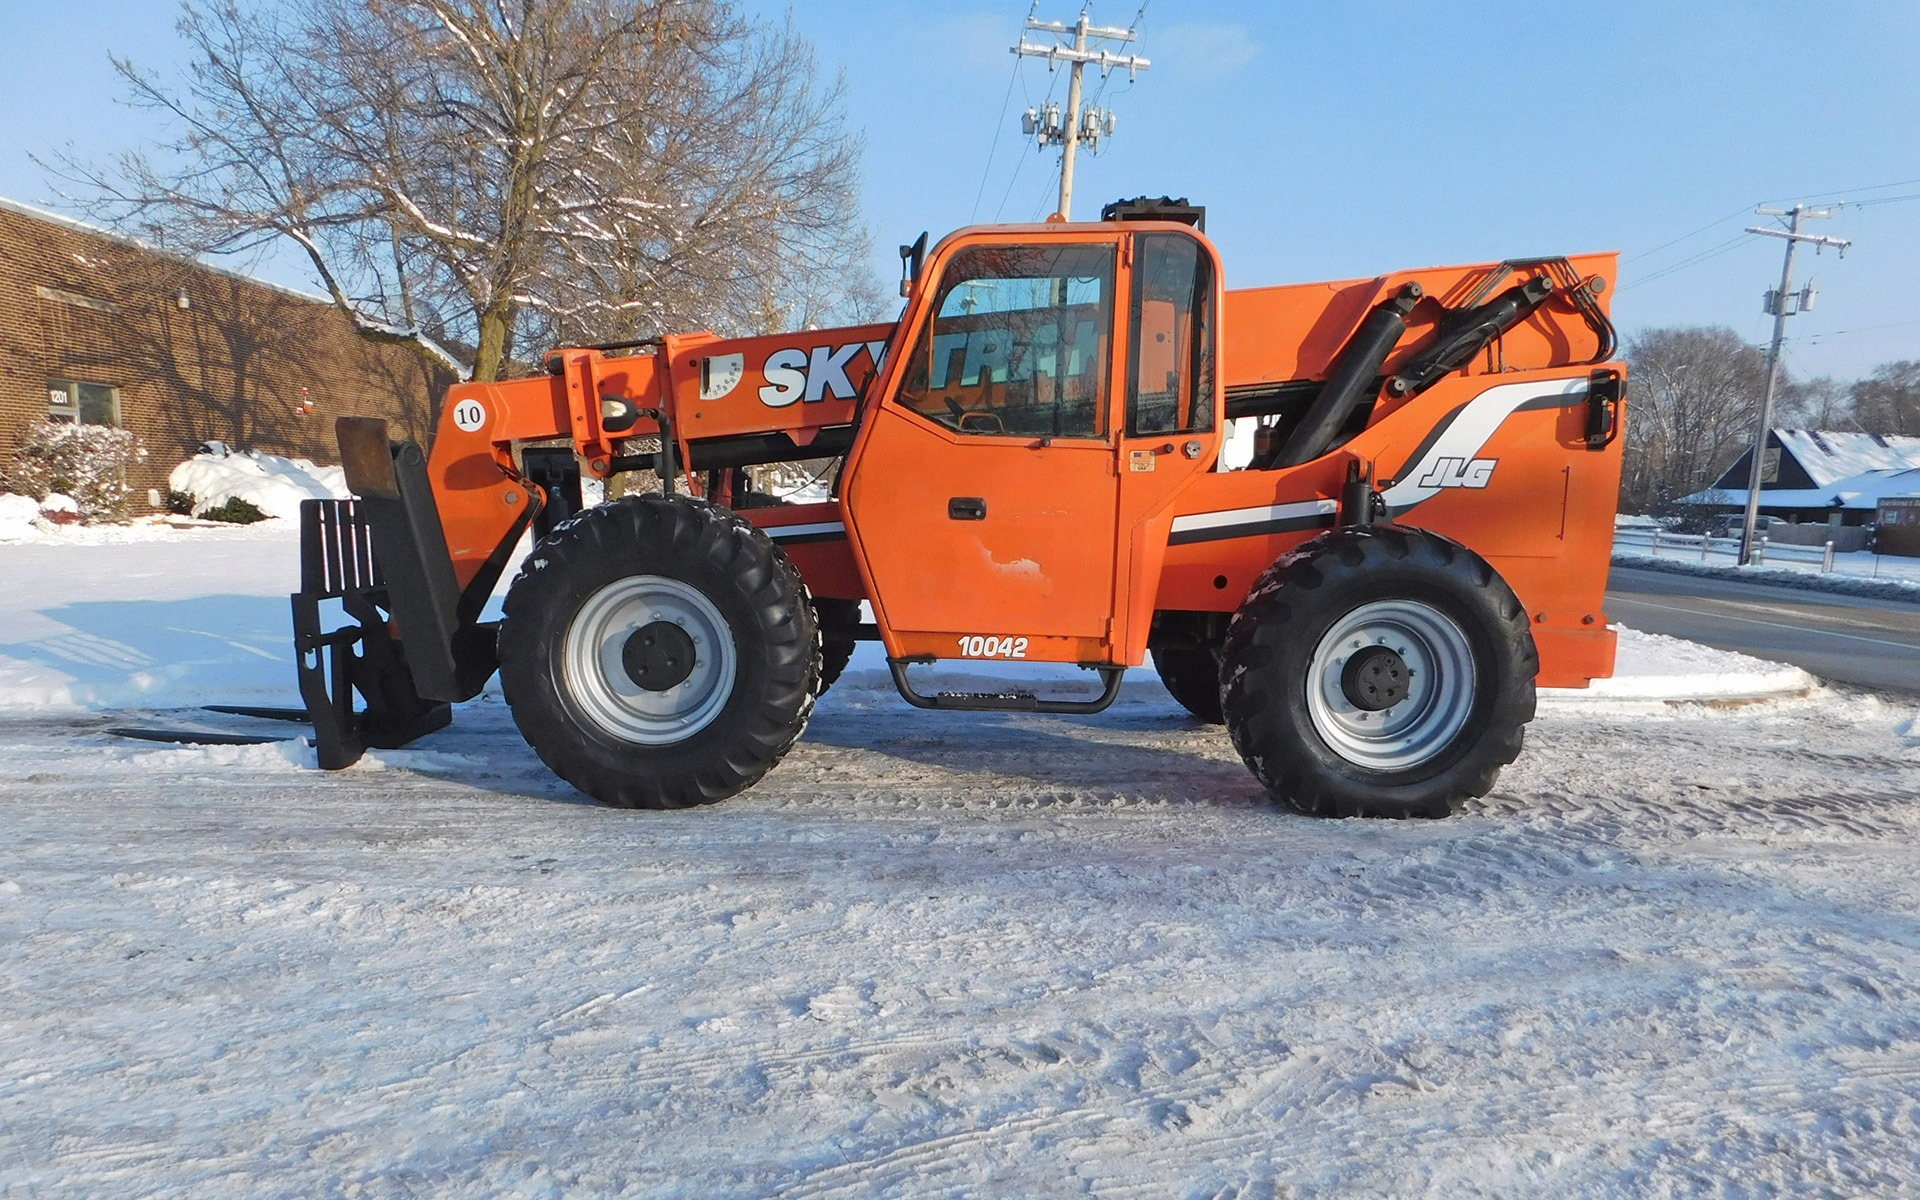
[1696,395]
[1819,403]
[713,237]
[1888,401]
[468,176]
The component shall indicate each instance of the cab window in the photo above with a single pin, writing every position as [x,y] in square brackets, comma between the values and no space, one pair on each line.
[1171,364]
[1018,344]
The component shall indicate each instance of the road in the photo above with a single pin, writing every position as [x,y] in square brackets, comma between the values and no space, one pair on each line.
[1842,639]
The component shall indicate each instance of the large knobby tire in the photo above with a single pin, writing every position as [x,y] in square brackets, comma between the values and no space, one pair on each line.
[1192,675]
[1379,672]
[659,652]
[838,620]
[1186,650]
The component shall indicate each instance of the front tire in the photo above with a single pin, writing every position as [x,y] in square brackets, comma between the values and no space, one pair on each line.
[1379,672]
[838,620]
[659,652]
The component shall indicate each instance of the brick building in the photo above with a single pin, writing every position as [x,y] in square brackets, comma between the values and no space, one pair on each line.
[103,329]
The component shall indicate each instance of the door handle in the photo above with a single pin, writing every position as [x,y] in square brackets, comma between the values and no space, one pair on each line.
[966,508]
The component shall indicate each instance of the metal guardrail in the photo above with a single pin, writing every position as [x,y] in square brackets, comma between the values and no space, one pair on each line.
[1709,548]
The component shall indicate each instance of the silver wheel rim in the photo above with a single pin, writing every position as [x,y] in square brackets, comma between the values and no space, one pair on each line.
[1440,693]
[597,679]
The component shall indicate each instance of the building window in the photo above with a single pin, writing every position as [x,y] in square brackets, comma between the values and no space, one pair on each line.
[87,403]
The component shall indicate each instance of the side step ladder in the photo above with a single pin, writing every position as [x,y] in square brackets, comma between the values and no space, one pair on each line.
[1012,700]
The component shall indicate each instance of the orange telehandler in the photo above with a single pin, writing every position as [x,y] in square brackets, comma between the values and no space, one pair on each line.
[1356,522]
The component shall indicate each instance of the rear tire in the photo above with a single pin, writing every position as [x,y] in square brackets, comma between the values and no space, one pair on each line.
[839,622]
[659,652]
[1379,672]
[1186,650]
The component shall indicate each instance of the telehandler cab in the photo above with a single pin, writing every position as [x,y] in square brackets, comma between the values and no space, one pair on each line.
[1356,522]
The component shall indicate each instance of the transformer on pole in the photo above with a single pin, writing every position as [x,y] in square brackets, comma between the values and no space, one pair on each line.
[1781,303]
[1049,126]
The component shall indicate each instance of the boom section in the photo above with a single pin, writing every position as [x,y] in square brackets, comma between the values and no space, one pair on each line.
[687,404]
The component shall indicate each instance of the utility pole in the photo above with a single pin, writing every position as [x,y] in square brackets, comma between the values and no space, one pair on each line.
[1782,304]
[1046,125]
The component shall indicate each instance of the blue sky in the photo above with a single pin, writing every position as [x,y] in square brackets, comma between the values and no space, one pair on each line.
[1330,140]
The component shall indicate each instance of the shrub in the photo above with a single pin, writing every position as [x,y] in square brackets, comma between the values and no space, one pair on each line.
[235,511]
[87,462]
[180,503]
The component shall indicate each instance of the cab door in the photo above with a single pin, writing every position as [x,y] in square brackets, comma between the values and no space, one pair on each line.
[983,489]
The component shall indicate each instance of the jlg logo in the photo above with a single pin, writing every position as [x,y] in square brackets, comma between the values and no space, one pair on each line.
[1459,473]
[813,375]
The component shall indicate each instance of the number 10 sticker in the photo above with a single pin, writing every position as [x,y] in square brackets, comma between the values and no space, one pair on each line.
[469,415]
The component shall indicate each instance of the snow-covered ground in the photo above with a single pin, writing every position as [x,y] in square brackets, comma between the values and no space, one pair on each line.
[108,615]
[1676,952]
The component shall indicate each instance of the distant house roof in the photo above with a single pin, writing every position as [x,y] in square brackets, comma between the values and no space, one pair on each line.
[1814,465]
[1829,456]
[1862,491]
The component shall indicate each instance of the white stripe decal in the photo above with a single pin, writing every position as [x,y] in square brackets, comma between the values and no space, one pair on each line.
[780,531]
[1470,433]
[1254,516]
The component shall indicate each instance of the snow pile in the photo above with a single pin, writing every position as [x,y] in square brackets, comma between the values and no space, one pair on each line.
[24,519]
[17,515]
[272,484]
[1651,669]
[959,954]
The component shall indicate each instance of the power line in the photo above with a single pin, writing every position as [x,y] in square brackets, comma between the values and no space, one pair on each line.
[1837,194]
[1741,211]
[995,148]
[1018,164]
[1881,200]
[1020,161]
[1106,77]
[1815,339]
[1686,263]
